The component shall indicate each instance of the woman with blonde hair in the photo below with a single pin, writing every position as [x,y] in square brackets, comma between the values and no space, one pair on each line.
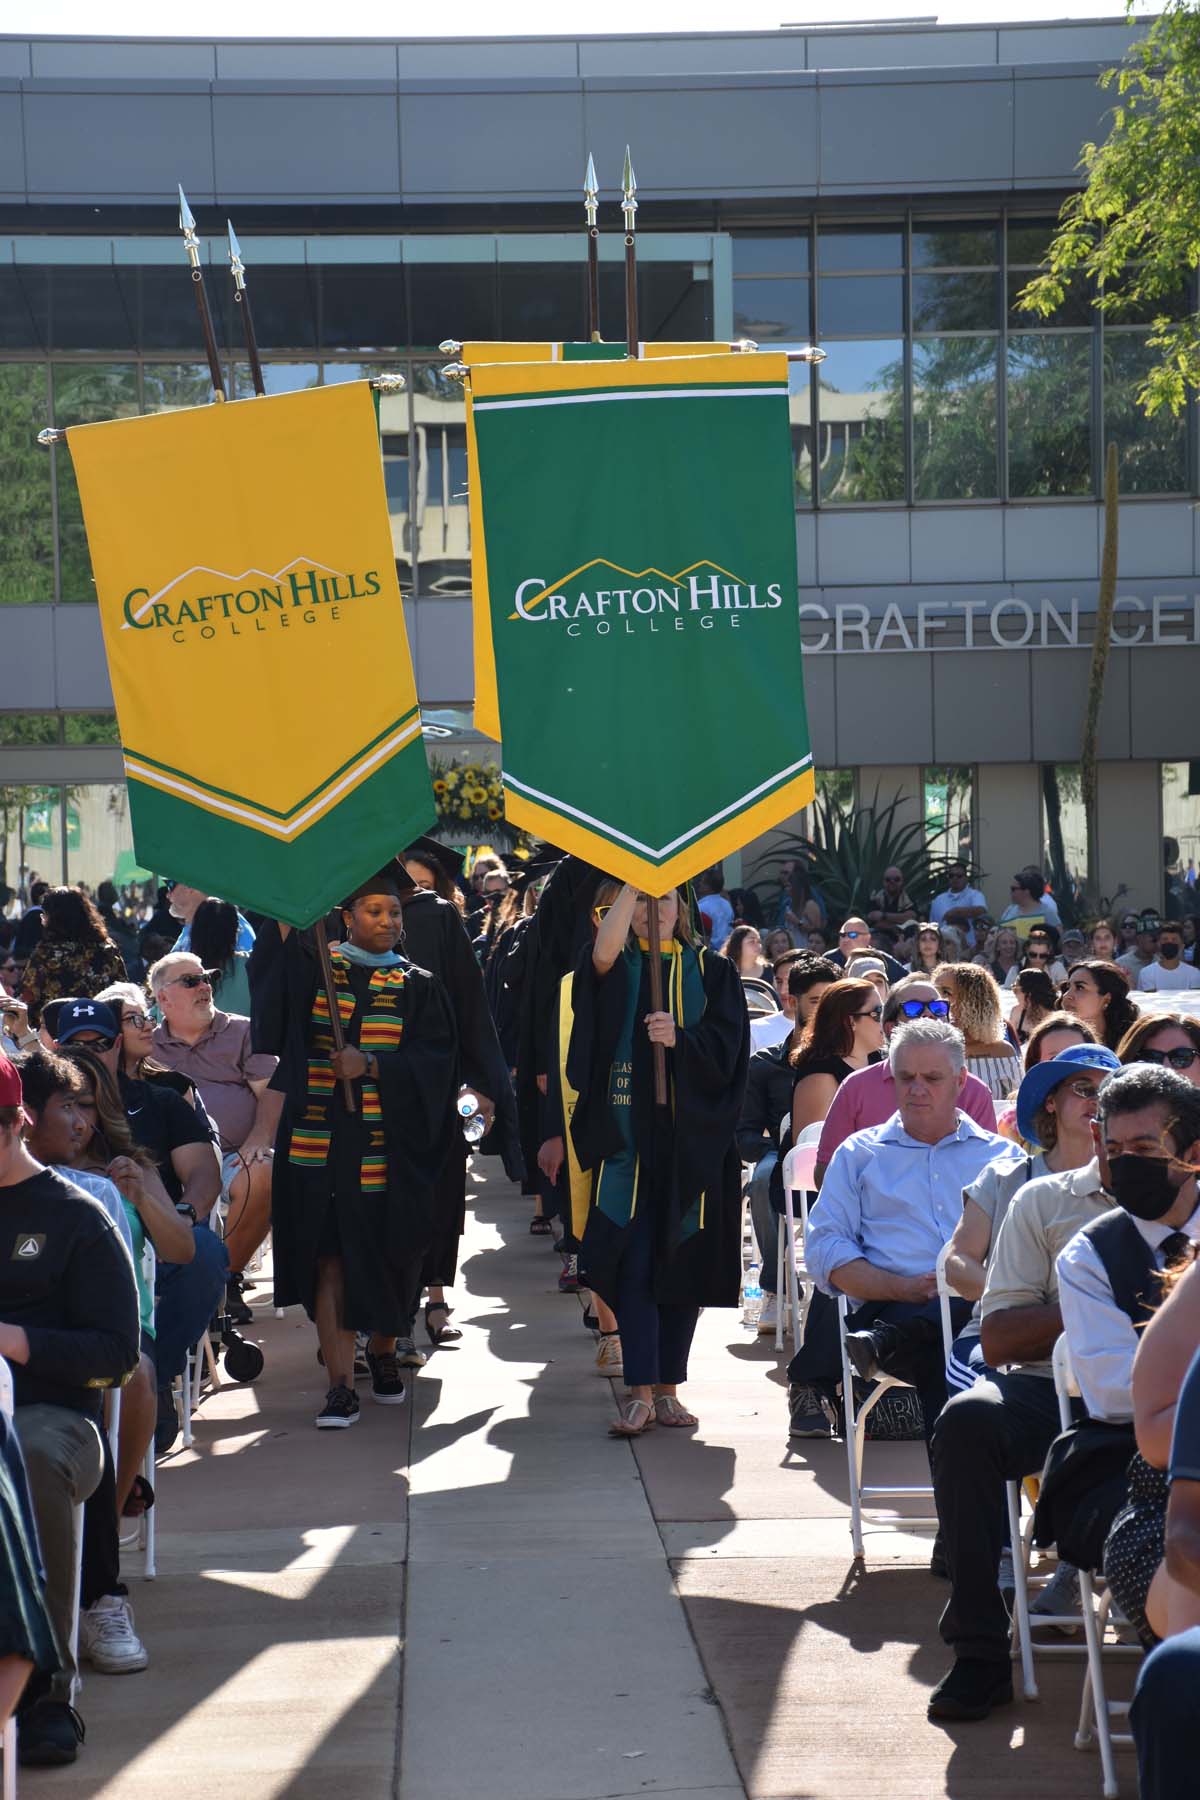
[664,1201]
[975,1008]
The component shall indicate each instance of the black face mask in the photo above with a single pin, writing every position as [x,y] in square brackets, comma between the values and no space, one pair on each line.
[1142,1185]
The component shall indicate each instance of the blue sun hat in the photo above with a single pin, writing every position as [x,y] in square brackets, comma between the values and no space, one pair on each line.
[1044,1077]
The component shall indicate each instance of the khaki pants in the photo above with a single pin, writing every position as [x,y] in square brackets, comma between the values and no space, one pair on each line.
[65,1460]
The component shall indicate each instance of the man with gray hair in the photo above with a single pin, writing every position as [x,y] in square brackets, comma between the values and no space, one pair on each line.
[891,1198]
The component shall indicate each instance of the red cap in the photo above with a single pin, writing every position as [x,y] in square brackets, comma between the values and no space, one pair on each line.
[10,1083]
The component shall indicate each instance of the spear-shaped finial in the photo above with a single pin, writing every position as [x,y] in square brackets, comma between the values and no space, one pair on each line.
[237,269]
[191,244]
[629,207]
[629,203]
[591,202]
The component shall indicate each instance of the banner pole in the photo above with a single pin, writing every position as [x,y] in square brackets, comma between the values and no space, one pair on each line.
[629,208]
[187,225]
[335,1015]
[591,200]
[237,269]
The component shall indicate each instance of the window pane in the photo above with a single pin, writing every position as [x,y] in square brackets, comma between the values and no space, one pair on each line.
[675,303]
[26,471]
[836,785]
[771,255]
[1049,415]
[1173,305]
[24,308]
[543,301]
[861,430]
[954,419]
[362,307]
[1151,453]
[169,387]
[956,302]
[284,303]
[860,303]
[772,311]
[30,816]
[1064,827]
[99,838]
[84,394]
[278,378]
[458,301]
[91,728]
[1076,308]
[92,310]
[1029,239]
[860,247]
[800,414]
[28,728]
[440,485]
[394,416]
[1181,837]
[168,316]
[955,243]
[949,805]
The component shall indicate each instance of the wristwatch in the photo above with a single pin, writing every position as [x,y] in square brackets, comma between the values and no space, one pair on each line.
[187,1211]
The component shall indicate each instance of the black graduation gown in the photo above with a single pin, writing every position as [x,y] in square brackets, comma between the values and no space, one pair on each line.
[435,938]
[685,1153]
[381,1239]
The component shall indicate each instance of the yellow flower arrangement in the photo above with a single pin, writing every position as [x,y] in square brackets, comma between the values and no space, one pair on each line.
[469,798]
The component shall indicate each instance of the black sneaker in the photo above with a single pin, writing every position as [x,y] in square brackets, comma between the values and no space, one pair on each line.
[49,1733]
[811,1414]
[387,1383]
[166,1426]
[239,1313]
[407,1354]
[340,1409]
[971,1688]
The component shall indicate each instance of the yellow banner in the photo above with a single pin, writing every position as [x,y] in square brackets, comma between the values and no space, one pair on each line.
[256,644]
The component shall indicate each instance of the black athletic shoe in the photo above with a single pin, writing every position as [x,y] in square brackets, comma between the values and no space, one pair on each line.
[239,1313]
[810,1414]
[49,1734]
[971,1689]
[340,1409]
[387,1383]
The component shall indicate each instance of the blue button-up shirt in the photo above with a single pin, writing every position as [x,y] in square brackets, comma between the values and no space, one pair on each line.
[893,1200]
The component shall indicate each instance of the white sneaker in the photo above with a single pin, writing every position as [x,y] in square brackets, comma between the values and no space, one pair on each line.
[608,1358]
[1059,1599]
[107,1639]
[768,1315]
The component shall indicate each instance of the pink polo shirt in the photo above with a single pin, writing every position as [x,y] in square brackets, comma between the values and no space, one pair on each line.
[868,1097]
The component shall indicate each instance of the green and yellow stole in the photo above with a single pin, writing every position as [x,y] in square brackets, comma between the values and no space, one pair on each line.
[382,1029]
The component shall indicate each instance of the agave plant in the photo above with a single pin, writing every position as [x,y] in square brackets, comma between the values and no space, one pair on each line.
[852,846]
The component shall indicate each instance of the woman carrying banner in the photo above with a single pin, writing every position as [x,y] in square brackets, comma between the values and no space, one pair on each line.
[661,1238]
[352,1202]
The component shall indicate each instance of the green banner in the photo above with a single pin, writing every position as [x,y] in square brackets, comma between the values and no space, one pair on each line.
[639,539]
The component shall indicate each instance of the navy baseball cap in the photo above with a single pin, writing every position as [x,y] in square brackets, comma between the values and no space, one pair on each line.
[1044,1077]
[77,1016]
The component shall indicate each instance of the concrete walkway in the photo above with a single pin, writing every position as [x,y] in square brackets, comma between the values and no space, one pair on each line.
[512,1606]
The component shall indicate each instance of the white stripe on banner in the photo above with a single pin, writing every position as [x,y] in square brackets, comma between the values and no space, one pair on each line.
[715,393]
[533,793]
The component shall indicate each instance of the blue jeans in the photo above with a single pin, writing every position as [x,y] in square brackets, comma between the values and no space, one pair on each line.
[765,1219]
[188,1295]
[655,1340]
[1165,1720]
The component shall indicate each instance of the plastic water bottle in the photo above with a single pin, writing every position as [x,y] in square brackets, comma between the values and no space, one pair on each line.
[751,1296]
[473,1125]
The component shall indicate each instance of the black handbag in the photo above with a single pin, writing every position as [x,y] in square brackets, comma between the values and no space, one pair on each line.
[1084,1485]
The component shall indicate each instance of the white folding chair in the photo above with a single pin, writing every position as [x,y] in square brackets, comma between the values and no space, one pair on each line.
[8,1744]
[192,1379]
[1097,1712]
[142,1537]
[856,1436]
[945,1291]
[799,1178]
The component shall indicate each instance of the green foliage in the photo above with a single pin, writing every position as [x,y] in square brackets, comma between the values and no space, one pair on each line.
[26,518]
[851,846]
[1134,229]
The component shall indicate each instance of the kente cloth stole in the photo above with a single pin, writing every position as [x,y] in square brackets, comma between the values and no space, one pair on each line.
[382,1029]
[618,1177]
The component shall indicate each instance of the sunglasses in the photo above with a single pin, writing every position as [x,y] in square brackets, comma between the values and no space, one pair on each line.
[190,981]
[913,1009]
[99,1044]
[1037,956]
[1176,1059]
[853,936]
[1086,1090]
[873,1012]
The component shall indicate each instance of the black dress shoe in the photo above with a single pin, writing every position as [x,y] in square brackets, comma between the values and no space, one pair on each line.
[49,1734]
[971,1689]
[862,1347]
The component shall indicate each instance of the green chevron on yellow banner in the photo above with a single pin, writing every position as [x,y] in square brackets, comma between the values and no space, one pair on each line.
[636,520]
[473,355]
[256,645]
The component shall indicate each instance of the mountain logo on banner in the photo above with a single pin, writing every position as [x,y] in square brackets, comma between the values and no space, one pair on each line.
[589,599]
[215,600]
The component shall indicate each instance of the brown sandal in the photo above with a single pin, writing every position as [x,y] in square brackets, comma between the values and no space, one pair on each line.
[668,1411]
[626,1425]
